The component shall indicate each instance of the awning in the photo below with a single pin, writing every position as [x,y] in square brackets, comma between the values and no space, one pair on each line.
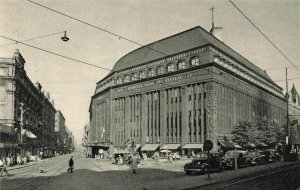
[193,146]
[170,146]
[6,129]
[150,147]
[251,145]
[237,146]
[137,146]
[8,145]
[121,151]
[226,144]
[28,134]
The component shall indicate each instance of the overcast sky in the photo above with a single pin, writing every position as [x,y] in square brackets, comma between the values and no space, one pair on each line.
[72,84]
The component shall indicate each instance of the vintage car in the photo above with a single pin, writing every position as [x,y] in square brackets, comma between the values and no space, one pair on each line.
[242,159]
[203,164]
[257,158]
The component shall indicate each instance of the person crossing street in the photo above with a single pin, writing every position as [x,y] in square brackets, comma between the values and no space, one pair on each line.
[71,165]
[4,168]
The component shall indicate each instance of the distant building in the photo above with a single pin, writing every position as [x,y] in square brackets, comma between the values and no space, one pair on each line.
[177,92]
[24,105]
[60,131]
[85,140]
[294,112]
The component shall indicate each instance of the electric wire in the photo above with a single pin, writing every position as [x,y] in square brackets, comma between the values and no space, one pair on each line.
[30,39]
[79,61]
[57,54]
[287,79]
[274,68]
[94,26]
[265,36]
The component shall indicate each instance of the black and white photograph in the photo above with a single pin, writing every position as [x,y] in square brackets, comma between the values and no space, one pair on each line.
[150,94]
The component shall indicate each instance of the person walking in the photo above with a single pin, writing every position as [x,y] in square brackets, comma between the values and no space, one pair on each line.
[134,163]
[4,168]
[71,165]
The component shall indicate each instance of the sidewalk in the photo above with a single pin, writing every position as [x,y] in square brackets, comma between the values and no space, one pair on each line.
[21,166]
[27,164]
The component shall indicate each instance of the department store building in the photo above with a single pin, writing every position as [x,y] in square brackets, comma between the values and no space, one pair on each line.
[177,92]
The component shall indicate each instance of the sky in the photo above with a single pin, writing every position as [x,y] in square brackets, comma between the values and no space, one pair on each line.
[72,84]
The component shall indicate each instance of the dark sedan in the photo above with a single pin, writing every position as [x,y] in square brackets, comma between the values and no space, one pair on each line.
[243,159]
[205,164]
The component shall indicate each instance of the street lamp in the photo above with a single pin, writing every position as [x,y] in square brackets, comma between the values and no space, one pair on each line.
[65,38]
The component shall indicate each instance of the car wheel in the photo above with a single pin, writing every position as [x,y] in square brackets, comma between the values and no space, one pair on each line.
[248,164]
[222,168]
[188,172]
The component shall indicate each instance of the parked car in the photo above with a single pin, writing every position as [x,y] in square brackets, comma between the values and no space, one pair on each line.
[256,158]
[242,159]
[176,156]
[203,164]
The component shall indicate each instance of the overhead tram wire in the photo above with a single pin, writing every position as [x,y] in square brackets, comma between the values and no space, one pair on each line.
[274,68]
[94,26]
[73,59]
[281,52]
[287,79]
[34,38]
[82,62]
[57,54]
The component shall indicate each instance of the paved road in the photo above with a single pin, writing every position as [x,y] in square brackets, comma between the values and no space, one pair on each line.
[91,174]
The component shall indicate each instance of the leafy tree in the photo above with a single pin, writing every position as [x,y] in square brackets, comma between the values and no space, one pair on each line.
[258,132]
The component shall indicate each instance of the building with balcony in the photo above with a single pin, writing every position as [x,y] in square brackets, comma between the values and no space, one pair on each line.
[179,91]
[26,112]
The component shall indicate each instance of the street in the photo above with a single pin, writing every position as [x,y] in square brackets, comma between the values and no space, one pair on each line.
[92,174]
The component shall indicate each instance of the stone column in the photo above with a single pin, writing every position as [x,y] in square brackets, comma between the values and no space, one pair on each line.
[184,113]
[163,116]
[144,112]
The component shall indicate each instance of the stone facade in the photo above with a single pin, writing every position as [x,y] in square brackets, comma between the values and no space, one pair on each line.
[25,106]
[60,131]
[183,89]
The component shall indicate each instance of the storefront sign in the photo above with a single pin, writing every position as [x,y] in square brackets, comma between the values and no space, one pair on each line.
[211,107]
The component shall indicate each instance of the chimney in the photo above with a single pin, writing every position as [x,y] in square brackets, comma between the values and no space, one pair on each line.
[215,30]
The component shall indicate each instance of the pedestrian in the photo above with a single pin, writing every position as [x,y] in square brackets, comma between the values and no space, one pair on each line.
[41,168]
[4,168]
[71,165]
[134,163]
[120,160]
[156,157]
[170,158]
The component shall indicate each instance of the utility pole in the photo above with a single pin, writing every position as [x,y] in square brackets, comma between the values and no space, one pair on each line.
[21,125]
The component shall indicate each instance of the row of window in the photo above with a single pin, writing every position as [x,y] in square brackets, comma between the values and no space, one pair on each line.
[171,67]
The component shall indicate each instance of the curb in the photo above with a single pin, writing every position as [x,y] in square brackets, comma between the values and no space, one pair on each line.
[23,166]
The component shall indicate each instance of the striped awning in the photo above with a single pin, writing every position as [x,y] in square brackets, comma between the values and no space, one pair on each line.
[193,146]
[28,134]
[226,144]
[6,129]
[150,147]
[170,146]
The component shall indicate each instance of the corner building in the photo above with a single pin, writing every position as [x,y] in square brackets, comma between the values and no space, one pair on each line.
[177,92]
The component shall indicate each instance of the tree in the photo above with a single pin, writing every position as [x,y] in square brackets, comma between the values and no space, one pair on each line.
[258,132]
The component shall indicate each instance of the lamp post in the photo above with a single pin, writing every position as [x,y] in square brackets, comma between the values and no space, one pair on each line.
[21,126]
